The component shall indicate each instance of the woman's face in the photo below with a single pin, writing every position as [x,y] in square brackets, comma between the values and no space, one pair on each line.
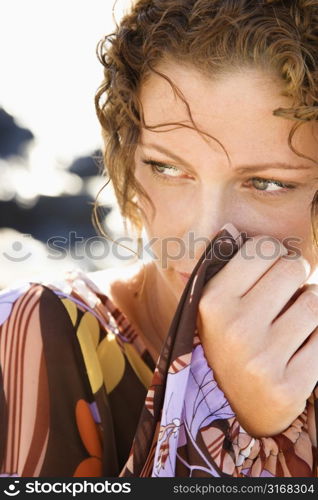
[267,189]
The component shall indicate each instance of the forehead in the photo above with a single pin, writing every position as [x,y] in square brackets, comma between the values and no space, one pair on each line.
[235,108]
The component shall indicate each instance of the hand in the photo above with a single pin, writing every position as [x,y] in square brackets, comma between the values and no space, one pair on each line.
[258,328]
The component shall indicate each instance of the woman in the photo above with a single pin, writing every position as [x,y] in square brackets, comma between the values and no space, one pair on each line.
[209,116]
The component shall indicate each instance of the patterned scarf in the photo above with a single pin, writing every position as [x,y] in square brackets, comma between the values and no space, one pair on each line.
[187,427]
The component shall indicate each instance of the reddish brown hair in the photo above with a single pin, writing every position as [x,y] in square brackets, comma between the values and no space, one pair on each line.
[215,36]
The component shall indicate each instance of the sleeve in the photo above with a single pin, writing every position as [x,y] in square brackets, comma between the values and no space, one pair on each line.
[50,421]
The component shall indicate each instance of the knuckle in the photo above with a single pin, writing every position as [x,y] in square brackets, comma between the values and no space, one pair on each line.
[237,329]
[258,369]
[238,333]
[212,298]
[297,268]
[310,288]
[310,301]
[207,302]
[269,247]
[203,306]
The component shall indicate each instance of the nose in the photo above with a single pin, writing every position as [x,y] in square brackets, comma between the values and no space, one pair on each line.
[215,208]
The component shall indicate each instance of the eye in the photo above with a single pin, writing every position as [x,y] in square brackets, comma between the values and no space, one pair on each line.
[276,187]
[260,186]
[162,170]
[167,170]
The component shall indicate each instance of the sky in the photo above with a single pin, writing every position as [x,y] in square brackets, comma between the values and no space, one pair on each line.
[49,71]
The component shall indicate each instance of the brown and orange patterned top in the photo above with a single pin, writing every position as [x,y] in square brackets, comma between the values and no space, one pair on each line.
[80,395]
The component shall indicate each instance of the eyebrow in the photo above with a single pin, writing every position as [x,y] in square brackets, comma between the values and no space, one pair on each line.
[241,169]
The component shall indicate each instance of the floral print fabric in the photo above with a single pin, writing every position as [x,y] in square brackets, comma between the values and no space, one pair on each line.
[187,427]
[81,396]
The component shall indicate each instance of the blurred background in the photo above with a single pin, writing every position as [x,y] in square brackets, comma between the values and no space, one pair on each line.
[50,141]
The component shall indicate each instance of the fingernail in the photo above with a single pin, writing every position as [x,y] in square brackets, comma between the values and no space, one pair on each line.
[231,229]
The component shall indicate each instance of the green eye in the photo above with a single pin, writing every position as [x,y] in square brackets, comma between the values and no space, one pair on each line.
[159,169]
[173,171]
[263,184]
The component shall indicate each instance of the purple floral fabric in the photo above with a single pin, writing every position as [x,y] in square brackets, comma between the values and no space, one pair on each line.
[187,426]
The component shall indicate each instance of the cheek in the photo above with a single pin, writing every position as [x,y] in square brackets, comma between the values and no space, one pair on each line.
[297,235]
[166,230]
[171,210]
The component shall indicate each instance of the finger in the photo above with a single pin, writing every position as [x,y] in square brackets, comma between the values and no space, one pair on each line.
[302,369]
[276,287]
[247,266]
[290,330]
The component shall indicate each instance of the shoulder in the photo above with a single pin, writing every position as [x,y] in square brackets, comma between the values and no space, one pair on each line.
[99,292]
[99,302]
[15,295]
[119,284]
[27,305]
[105,278]
[37,300]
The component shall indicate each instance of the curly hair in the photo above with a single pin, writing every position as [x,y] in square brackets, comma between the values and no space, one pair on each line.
[215,37]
